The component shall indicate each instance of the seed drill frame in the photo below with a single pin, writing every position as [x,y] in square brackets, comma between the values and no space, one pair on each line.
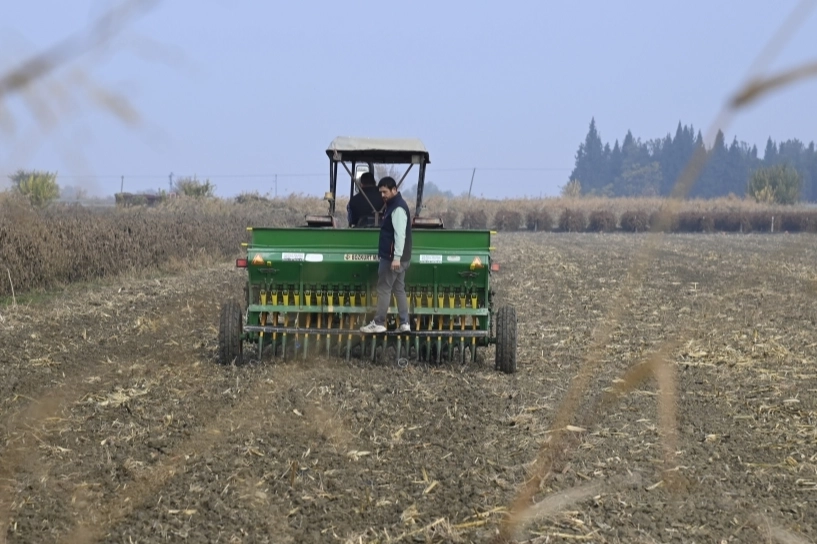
[310,289]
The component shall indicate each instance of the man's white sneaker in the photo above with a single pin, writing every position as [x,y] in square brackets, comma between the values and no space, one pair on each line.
[405,327]
[372,327]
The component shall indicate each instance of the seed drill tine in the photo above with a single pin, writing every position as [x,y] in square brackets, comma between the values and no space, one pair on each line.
[417,341]
[330,296]
[284,336]
[439,338]
[261,335]
[462,339]
[429,303]
[474,325]
[352,324]
[428,338]
[285,297]
[349,338]
[306,334]
[320,327]
[274,296]
[441,305]
[307,303]
[462,328]
[417,304]
[297,334]
[339,335]
[297,297]
[451,327]
[262,319]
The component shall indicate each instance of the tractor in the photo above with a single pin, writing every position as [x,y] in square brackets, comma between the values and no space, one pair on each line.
[309,289]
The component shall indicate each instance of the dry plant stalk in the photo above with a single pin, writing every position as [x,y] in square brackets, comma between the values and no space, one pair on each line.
[11,285]
[69,49]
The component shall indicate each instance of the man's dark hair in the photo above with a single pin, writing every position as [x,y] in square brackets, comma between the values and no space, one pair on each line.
[367,179]
[387,182]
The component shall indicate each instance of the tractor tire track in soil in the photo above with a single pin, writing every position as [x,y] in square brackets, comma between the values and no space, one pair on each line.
[118,426]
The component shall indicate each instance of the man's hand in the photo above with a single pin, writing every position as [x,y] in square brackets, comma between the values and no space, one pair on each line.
[395,265]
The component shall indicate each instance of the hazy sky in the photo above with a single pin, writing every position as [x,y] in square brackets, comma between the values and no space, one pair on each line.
[239,91]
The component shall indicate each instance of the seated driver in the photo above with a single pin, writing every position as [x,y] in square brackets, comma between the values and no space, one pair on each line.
[359,211]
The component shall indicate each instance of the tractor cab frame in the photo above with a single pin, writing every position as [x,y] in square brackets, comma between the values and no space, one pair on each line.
[357,155]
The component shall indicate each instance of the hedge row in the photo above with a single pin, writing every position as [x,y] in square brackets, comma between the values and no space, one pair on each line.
[64,244]
[577,220]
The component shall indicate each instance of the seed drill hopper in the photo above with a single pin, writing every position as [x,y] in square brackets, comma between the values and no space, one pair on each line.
[310,289]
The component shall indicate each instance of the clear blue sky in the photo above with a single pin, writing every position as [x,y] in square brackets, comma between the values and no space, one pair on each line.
[238,91]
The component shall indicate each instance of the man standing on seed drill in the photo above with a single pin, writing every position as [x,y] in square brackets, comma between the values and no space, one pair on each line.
[395,253]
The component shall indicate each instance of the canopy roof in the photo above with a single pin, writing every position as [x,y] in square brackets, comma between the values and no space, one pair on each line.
[379,150]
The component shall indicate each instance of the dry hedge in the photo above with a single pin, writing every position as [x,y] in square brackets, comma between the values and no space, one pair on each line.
[63,244]
[602,221]
[635,221]
[803,221]
[450,218]
[539,219]
[572,220]
[691,221]
[506,219]
[43,249]
[474,219]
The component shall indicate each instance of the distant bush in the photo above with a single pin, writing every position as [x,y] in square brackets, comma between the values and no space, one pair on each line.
[602,221]
[40,188]
[245,198]
[635,221]
[573,189]
[539,219]
[192,187]
[506,219]
[572,220]
[474,219]
[778,184]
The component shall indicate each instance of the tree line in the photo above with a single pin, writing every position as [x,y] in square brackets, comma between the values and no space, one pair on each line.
[787,170]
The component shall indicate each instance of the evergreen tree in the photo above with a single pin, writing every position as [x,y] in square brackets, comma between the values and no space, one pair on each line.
[590,168]
[770,154]
[810,184]
[616,161]
[737,168]
[655,166]
[677,157]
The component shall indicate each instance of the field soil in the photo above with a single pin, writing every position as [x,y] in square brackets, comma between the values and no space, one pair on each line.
[118,426]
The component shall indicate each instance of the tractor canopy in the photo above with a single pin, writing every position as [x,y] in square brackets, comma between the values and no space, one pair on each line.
[378,150]
[357,155]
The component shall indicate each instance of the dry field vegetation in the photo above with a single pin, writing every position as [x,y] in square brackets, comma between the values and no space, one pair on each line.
[666,392]
[44,249]
[698,424]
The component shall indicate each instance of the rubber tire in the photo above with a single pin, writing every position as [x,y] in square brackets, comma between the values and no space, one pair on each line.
[230,329]
[506,339]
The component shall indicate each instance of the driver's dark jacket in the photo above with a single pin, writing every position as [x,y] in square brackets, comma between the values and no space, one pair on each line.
[359,208]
